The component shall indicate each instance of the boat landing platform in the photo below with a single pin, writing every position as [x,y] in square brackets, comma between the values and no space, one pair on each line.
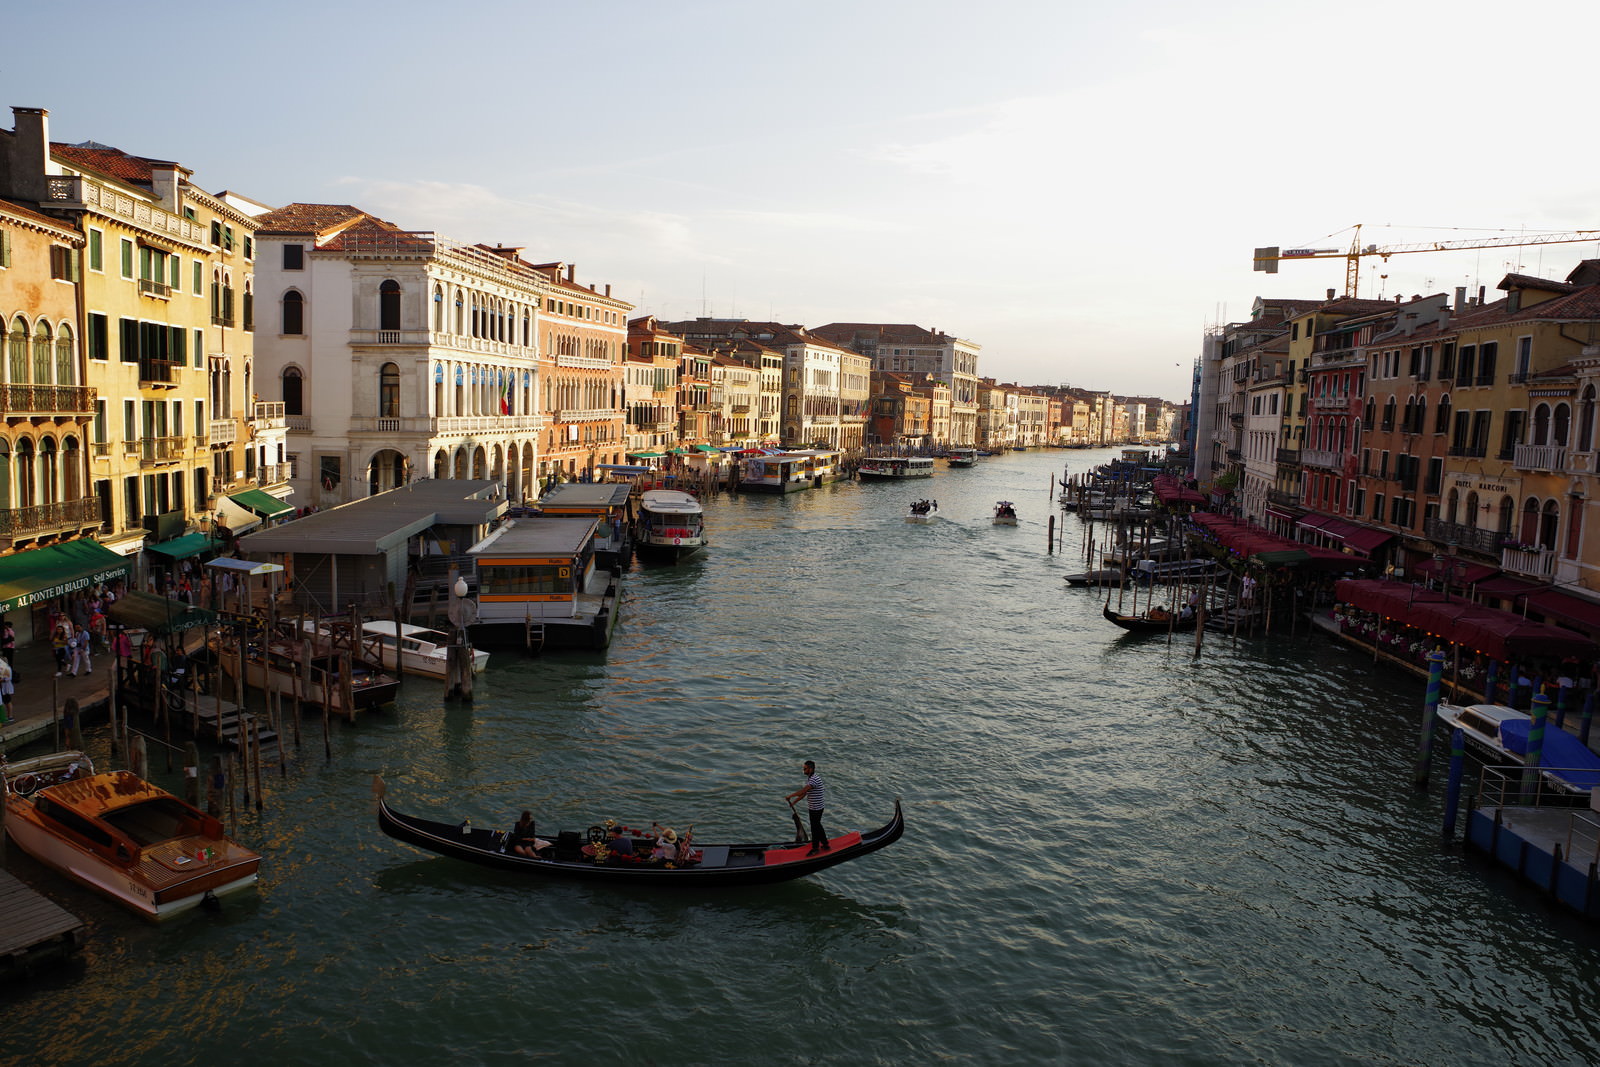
[33,929]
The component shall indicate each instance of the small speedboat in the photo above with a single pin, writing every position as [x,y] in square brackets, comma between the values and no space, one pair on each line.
[1501,735]
[121,836]
[921,511]
[1005,513]
[588,857]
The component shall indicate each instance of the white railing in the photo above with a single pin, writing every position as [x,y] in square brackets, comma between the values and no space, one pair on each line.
[1534,562]
[586,415]
[268,415]
[1312,457]
[1540,457]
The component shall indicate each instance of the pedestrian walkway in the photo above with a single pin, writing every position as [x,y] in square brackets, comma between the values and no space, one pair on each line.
[35,712]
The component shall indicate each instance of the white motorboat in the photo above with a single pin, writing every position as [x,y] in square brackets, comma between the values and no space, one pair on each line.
[671,525]
[1500,735]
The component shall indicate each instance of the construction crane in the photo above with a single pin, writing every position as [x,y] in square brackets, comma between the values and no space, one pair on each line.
[1267,259]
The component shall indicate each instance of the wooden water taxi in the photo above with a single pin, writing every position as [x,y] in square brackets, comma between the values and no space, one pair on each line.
[122,837]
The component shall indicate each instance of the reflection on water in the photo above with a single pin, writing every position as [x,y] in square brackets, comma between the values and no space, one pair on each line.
[1115,849]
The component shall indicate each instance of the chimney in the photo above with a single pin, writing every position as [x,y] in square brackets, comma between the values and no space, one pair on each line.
[29,158]
[1480,296]
[164,184]
[1330,294]
[608,288]
[571,267]
[1461,298]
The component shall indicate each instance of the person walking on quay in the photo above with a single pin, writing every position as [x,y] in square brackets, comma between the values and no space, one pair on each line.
[6,691]
[816,799]
[79,649]
[8,643]
[59,636]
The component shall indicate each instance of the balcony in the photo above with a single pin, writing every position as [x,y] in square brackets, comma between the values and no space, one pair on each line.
[1470,537]
[586,414]
[1289,457]
[390,337]
[1469,451]
[159,373]
[156,451]
[1540,457]
[41,520]
[222,320]
[223,431]
[425,425]
[298,422]
[268,415]
[1339,402]
[270,474]
[1529,562]
[1284,498]
[154,288]
[1580,463]
[47,400]
[1320,457]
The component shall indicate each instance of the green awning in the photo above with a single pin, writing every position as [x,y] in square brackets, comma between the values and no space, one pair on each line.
[707,448]
[646,455]
[1284,557]
[158,614]
[191,544]
[44,573]
[264,504]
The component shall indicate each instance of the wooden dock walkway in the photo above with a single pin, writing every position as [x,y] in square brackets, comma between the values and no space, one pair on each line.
[33,930]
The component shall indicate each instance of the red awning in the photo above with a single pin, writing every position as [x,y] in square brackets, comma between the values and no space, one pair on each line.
[1505,585]
[1498,634]
[1363,539]
[1555,604]
[1462,573]
[1315,522]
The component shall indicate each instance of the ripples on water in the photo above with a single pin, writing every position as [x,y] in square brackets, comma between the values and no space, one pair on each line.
[1116,852]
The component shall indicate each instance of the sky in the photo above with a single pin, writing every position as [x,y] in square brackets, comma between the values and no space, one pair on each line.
[1077,190]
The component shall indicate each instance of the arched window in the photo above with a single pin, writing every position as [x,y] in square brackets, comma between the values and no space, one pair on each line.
[19,352]
[1528,528]
[66,366]
[1586,420]
[438,309]
[1549,524]
[293,392]
[1420,423]
[1388,414]
[1562,426]
[49,472]
[1452,507]
[5,474]
[389,391]
[43,346]
[1507,515]
[1541,426]
[294,313]
[1441,422]
[72,483]
[27,487]
[389,305]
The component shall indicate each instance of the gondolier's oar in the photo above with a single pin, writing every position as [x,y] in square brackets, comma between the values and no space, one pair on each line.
[799,829]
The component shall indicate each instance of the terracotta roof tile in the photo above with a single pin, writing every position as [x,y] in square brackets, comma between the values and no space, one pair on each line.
[110,162]
[316,219]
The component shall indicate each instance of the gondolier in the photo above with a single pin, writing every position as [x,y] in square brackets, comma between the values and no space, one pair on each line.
[816,799]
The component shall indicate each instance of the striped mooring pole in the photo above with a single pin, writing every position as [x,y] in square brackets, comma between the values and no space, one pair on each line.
[1430,707]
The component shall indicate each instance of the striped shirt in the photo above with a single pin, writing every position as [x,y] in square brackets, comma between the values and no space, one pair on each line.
[816,792]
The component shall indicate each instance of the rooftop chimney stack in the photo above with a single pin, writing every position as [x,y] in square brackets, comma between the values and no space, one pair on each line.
[30,154]
[1461,298]
[1330,294]
[164,184]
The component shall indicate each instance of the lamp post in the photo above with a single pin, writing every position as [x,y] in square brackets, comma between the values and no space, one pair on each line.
[458,682]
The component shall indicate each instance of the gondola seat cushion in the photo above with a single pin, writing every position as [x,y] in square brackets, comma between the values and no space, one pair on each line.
[569,846]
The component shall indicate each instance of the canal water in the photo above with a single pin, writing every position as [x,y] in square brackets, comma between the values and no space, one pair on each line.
[1116,852]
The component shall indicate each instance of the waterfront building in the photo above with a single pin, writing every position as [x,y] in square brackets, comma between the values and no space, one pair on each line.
[1033,411]
[650,389]
[1265,367]
[583,337]
[47,409]
[902,415]
[398,354]
[736,392]
[908,349]
[940,408]
[166,294]
[696,412]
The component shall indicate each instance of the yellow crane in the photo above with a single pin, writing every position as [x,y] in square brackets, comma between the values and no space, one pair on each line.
[1267,259]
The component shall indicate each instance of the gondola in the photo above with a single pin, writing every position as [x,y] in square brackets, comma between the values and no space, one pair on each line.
[1145,625]
[709,865]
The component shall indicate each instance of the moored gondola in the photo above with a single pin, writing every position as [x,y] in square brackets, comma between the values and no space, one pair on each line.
[575,856]
[1147,623]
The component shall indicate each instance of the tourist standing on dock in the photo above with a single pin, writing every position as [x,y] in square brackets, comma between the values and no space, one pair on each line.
[816,799]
